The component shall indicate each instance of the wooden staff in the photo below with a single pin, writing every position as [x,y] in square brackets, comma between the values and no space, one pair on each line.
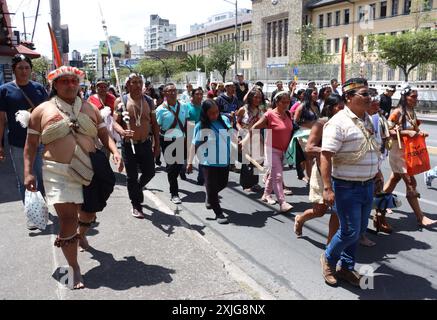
[126,117]
[399,138]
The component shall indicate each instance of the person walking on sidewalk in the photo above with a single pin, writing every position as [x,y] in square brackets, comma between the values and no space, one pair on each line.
[143,125]
[214,154]
[333,105]
[349,165]
[21,94]
[404,120]
[73,168]
[430,176]
[279,127]
[172,118]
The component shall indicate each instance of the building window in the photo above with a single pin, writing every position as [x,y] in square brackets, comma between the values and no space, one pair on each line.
[280,38]
[427,5]
[247,55]
[247,35]
[329,18]
[372,13]
[360,42]
[394,7]
[422,73]
[337,18]
[306,20]
[269,39]
[346,41]
[337,45]
[242,55]
[390,74]
[379,72]
[328,46]
[286,37]
[274,30]
[361,13]
[383,11]
[407,6]
[346,16]
[320,21]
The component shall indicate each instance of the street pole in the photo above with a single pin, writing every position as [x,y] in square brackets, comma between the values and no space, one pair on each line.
[236,38]
[24,24]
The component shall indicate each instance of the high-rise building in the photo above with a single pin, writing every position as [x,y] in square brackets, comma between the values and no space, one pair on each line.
[137,52]
[90,59]
[158,33]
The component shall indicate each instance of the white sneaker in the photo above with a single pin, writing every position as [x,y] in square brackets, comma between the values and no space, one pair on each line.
[286,207]
[176,200]
[137,214]
[268,199]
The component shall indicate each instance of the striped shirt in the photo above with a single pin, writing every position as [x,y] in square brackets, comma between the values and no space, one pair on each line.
[342,136]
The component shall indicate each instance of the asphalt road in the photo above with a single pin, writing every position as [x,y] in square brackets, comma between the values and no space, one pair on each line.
[262,243]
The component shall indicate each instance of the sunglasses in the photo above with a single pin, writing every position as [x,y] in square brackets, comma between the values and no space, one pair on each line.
[364,94]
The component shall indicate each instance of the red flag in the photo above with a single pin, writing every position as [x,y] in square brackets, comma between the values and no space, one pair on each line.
[343,61]
[56,53]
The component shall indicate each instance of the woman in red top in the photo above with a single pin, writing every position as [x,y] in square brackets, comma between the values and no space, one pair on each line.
[279,132]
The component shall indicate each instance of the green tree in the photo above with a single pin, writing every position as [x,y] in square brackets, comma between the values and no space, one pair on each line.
[41,67]
[91,74]
[149,68]
[123,73]
[171,67]
[194,62]
[312,46]
[408,50]
[221,58]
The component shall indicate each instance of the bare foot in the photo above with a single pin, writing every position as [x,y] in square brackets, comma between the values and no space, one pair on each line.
[83,244]
[427,222]
[298,226]
[78,281]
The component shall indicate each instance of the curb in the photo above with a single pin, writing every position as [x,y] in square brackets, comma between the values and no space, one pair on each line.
[432,150]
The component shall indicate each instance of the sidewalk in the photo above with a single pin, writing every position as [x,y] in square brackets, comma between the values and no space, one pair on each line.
[159,258]
[427,118]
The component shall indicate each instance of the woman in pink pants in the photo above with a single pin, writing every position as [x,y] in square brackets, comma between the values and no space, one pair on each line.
[278,135]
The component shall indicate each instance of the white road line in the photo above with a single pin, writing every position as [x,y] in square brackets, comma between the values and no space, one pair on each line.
[61,290]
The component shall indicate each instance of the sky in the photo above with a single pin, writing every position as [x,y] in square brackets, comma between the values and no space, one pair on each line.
[125,19]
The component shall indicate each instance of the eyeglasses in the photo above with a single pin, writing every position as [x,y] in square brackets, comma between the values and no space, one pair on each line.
[415,96]
[170,91]
[364,94]
[66,82]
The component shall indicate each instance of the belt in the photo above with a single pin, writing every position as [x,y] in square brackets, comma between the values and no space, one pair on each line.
[357,183]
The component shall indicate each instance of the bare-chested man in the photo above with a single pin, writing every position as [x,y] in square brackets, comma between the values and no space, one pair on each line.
[143,124]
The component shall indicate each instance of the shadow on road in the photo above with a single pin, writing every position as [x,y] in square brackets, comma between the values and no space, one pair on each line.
[125,274]
[167,223]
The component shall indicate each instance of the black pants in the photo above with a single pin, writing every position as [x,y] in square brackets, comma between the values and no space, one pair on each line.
[173,169]
[144,159]
[216,180]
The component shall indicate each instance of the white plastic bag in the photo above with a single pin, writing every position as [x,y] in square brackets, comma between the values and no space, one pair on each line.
[36,209]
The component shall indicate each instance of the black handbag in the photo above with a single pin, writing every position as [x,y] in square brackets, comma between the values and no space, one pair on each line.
[102,185]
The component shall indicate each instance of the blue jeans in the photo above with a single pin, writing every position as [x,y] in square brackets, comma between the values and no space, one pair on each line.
[354,205]
[17,156]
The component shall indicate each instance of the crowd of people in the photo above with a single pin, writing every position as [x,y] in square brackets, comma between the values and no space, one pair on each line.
[340,143]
